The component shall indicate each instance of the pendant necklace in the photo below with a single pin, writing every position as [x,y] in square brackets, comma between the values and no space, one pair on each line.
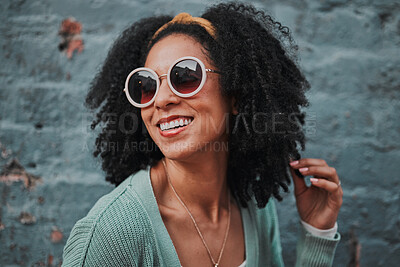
[215,263]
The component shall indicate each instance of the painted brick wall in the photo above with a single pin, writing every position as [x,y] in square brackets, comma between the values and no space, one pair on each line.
[349,50]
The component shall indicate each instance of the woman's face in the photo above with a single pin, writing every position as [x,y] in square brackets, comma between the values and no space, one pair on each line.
[207,111]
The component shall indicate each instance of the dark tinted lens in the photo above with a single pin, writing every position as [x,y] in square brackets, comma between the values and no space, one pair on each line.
[186,76]
[142,86]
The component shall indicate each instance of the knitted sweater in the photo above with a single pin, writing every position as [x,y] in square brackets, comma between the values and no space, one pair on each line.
[125,228]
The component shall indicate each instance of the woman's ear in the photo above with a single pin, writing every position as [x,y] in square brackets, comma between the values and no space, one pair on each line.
[234,106]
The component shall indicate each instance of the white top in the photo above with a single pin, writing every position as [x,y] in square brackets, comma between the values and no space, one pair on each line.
[243,264]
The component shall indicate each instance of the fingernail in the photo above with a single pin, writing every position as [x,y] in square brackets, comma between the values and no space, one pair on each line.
[315,180]
[303,169]
[294,162]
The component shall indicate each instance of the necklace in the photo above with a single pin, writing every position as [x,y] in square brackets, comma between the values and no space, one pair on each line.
[215,263]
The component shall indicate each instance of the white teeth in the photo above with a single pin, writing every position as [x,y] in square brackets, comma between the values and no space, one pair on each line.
[180,122]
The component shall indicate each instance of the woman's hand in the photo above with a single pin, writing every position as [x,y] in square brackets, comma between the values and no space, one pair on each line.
[318,204]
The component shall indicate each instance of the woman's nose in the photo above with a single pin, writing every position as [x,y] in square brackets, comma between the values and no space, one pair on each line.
[165,96]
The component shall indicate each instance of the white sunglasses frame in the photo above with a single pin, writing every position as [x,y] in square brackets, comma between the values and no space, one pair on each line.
[203,80]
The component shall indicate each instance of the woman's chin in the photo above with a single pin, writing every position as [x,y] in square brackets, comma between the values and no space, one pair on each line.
[180,151]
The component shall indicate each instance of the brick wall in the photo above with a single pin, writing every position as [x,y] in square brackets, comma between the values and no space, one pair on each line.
[349,51]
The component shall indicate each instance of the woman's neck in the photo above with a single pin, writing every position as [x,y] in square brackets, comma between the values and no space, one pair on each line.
[200,181]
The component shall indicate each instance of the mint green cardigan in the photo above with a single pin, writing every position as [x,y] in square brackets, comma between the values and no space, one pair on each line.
[125,228]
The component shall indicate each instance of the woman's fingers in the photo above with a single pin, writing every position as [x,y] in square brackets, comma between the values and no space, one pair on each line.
[329,186]
[307,162]
[321,171]
[329,179]
[325,184]
[318,168]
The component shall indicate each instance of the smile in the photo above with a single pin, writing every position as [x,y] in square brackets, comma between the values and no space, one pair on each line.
[173,125]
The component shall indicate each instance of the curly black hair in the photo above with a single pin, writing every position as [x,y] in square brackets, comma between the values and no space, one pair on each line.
[257,58]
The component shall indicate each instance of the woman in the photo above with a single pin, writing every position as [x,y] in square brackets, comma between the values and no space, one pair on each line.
[207,122]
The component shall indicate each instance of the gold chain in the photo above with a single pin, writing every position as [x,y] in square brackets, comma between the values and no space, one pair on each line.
[195,224]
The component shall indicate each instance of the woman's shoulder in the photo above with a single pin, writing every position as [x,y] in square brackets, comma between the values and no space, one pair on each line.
[123,202]
[118,220]
[116,197]
[266,218]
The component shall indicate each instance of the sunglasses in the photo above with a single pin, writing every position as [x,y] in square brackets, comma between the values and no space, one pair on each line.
[185,77]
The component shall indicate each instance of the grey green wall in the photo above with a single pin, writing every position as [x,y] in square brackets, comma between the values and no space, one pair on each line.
[349,51]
